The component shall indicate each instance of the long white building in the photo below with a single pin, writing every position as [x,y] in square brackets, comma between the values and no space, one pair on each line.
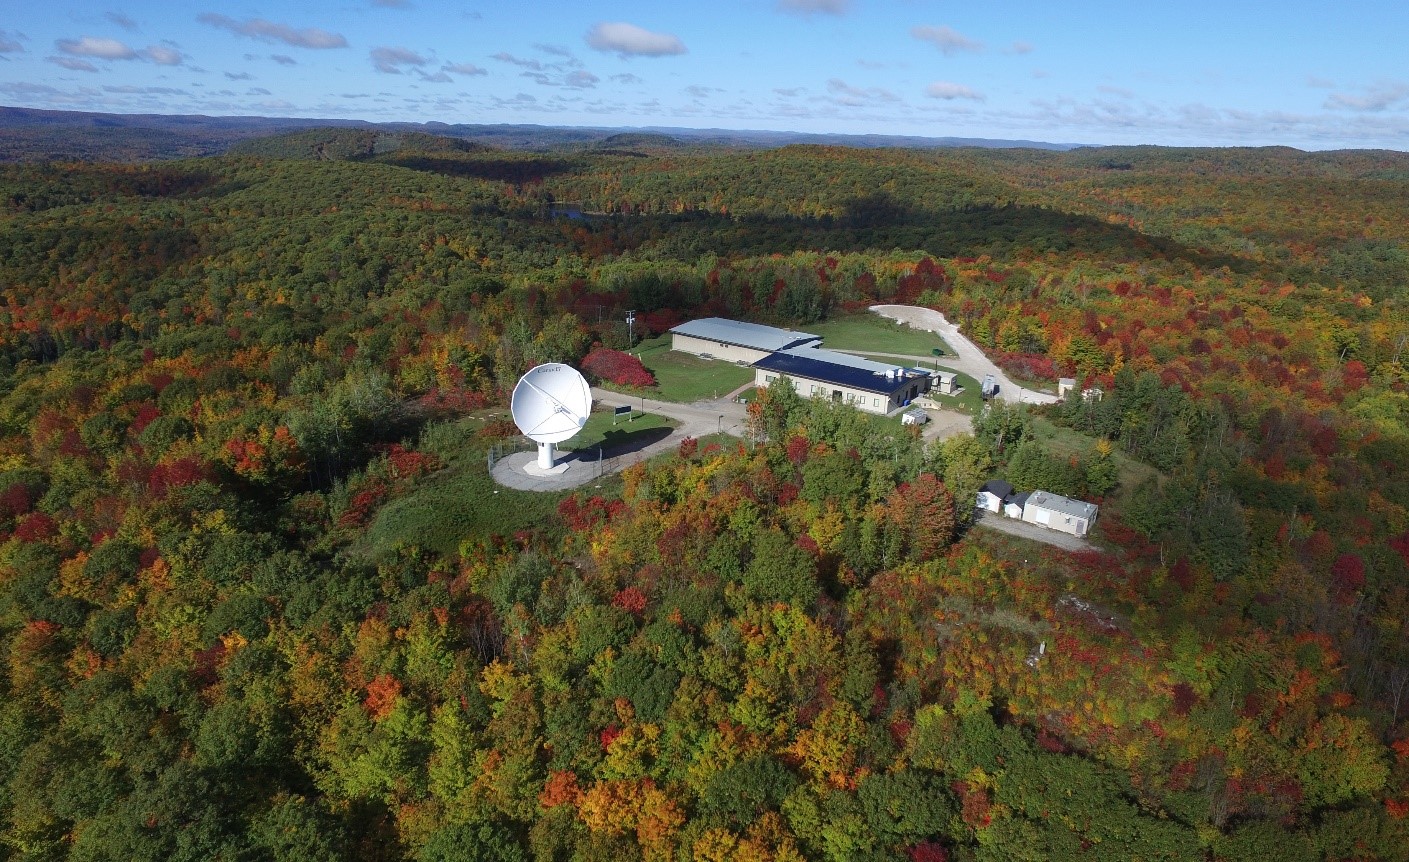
[735,340]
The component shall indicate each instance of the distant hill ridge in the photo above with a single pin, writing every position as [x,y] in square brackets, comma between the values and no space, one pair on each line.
[30,134]
[343,144]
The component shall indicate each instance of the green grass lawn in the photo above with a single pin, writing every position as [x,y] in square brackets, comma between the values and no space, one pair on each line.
[1065,441]
[684,378]
[457,502]
[969,402]
[600,430]
[873,332]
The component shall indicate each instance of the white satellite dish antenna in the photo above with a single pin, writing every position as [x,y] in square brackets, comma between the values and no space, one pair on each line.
[551,404]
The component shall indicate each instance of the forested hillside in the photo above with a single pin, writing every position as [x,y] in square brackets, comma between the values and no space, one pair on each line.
[231,385]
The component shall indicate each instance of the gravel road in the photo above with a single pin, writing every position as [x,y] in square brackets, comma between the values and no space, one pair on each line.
[968,359]
[1014,527]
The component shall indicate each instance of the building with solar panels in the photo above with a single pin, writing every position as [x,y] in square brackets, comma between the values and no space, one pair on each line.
[875,387]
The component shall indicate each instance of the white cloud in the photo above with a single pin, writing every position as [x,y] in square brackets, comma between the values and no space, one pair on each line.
[93,46]
[283,59]
[506,57]
[807,7]
[239,76]
[628,40]
[129,89]
[73,63]
[1377,98]
[163,56]
[581,80]
[1320,83]
[627,78]
[391,60]
[1117,91]
[946,39]
[464,69]
[950,91]
[121,20]
[269,31]
[392,4]
[1021,47]
[846,94]
[10,42]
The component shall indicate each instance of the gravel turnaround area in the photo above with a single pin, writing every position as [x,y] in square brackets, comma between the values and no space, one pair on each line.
[1014,527]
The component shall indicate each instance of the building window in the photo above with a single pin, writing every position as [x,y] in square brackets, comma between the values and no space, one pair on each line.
[875,402]
[769,378]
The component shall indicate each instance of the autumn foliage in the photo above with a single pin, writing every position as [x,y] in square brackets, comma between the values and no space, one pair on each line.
[613,366]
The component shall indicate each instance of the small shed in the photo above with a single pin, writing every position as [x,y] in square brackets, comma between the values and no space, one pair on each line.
[915,416]
[1056,512]
[1065,385]
[1014,507]
[945,382]
[993,494]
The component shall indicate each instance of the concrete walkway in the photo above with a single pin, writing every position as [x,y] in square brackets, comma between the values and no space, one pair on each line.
[968,357]
[696,420]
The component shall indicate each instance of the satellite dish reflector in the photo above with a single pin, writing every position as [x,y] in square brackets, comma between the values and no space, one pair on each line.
[550,404]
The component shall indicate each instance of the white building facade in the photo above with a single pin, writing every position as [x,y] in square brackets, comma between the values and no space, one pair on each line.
[1056,512]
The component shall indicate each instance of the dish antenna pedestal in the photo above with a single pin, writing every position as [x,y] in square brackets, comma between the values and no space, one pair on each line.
[550,404]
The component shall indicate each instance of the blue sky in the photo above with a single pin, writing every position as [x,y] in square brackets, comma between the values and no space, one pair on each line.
[1314,75]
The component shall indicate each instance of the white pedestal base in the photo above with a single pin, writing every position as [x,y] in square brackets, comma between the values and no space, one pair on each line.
[544,466]
[532,469]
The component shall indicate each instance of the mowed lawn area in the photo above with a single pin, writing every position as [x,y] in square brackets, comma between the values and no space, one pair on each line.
[457,502]
[873,332]
[684,378]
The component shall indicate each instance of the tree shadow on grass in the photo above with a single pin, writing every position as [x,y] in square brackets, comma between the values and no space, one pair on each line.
[618,442]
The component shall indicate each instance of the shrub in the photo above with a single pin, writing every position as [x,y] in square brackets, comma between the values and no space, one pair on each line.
[613,366]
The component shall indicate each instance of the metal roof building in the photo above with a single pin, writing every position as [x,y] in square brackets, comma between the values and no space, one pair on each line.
[1059,513]
[735,340]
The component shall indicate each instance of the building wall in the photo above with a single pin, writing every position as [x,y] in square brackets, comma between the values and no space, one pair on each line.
[870,402]
[1036,514]
[988,501]
[727,352]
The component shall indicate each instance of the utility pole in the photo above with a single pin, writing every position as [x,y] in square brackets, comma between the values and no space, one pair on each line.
[630,329]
